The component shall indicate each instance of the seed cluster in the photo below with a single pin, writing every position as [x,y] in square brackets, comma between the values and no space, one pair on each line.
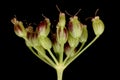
[65,41]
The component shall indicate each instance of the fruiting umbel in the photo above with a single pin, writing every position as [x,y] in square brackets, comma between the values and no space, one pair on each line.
[69,39]
[73,34]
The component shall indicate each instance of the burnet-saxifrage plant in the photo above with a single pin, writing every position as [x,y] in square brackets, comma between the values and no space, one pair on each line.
[62,48]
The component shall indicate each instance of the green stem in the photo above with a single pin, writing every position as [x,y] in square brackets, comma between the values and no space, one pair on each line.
[59,69]
[47,61]
[72,59]
[80,47]
[59,75]
[54,58]
[66,59]
[61,53]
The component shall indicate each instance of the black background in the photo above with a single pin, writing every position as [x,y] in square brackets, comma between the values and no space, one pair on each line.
[99,61]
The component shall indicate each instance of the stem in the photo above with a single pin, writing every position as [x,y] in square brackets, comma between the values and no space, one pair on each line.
[72,59]
[59,69]
[66,59]
[54,58]
[47,61]
[61,53]
[59,74]
[80,47]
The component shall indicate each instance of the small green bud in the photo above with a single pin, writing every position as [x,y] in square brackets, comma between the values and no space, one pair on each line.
[84,35]
[98,25]
[56,47]
[45,42]
[33,41]
[18,28]
[69,51]
[62,35]
[43,28]
[62,20]
[73,42]
[41,51]
[75,27]
[32,37]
